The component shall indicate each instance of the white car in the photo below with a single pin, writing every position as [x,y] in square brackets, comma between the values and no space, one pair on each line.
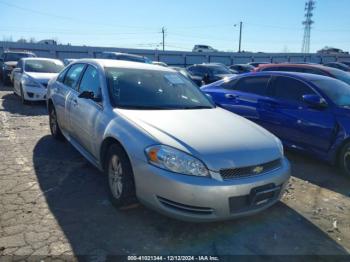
[203,48]
[31,76]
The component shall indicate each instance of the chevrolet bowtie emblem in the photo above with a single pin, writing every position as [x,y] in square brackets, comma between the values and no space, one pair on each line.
[258,170]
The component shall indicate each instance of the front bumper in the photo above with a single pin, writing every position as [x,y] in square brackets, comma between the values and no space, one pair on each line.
[205,199]
[34,93]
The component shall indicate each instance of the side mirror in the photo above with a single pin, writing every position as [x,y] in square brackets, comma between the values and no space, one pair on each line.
[315,101]
[87,95]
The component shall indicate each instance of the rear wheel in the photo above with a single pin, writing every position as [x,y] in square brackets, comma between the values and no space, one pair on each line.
[120,178]
[344,160]
[54,127]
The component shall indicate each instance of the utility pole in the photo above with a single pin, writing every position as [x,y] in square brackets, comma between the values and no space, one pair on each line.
[163,33]
[240,36]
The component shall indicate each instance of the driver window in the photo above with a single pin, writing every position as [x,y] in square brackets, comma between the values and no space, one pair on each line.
[91,82]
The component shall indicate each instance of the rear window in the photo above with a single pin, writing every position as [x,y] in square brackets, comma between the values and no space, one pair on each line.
[253,85]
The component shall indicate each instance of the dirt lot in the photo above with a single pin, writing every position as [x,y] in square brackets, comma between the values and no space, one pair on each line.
[54,202]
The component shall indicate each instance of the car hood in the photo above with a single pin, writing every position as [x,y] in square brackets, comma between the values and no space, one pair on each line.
[219,138]
[42,77]
[11,63]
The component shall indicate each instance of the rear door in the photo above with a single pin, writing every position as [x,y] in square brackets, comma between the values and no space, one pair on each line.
[297,124]
[71,93]
[243,95]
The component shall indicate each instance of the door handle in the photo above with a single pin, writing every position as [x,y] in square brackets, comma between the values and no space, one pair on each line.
[75,102]
[231,96]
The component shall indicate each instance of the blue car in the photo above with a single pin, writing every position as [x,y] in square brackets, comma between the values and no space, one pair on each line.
[307,112]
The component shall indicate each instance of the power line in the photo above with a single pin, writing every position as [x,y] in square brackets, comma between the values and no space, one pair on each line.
[51,15]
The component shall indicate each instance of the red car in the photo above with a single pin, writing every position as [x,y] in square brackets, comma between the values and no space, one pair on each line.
[307,68]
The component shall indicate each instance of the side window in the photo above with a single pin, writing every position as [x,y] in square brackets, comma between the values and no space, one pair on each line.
[73,74]
[61,76]
[91,82]
[253,85]
[290,89]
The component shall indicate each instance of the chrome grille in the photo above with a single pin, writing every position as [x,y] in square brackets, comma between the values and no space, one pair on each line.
[232,173]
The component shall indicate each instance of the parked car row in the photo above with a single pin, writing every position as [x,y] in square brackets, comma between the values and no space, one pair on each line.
[200,154]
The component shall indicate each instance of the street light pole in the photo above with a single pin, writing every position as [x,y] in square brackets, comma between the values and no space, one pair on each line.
[163,32]
[240,37]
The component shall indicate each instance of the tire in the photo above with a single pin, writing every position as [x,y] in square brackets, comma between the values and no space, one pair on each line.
[121,186]
[23,100]
[54,127]
[344,160]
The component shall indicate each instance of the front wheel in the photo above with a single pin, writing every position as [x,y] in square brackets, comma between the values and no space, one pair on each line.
[54,127]
[344,160]
[23,100]
[120,178]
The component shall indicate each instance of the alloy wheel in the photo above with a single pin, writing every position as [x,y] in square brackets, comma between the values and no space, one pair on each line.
[115,175]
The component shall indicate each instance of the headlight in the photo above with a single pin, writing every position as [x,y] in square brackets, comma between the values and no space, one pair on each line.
[29,82]
[175,161]
[280,146]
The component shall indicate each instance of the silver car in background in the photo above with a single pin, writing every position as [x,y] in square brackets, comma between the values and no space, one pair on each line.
[163,142]
[31,76]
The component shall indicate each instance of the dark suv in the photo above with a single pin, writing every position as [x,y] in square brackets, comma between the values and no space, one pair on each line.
[210,72]
[8,61]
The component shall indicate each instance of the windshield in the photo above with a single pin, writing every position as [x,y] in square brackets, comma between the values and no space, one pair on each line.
[43,66]
[151,89]
[341,75]
[337,91]
[16,56]
[219,70]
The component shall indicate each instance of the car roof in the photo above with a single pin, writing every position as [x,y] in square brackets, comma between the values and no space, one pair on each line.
[123,64]
[301,76]
[40,58]
[119,53]
[294,65]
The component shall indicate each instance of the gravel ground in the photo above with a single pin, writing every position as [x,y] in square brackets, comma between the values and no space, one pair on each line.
[53,202]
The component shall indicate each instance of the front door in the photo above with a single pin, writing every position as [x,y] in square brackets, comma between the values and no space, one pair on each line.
[85,114]
[286,115]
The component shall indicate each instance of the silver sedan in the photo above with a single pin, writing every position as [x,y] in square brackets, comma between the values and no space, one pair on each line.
[31,76]
[163,142]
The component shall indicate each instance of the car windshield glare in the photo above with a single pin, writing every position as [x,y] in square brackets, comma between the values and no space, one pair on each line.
[337,91]
[152,89]
[43,66]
